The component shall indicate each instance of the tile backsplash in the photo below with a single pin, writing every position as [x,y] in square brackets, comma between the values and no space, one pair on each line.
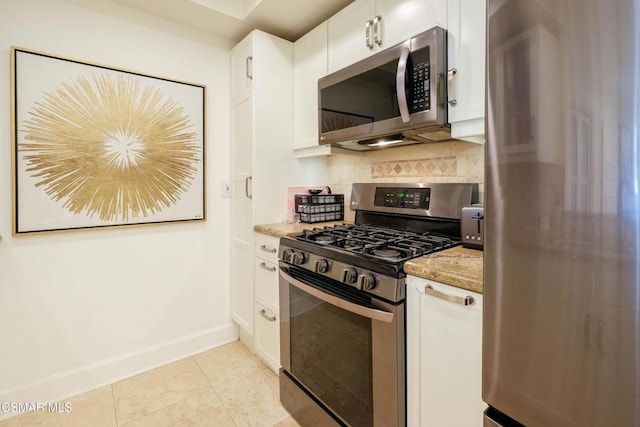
[450,161]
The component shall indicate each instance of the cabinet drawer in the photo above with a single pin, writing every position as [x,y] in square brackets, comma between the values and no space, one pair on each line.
[451,297]
[266,247]
[266,283]
[267,336]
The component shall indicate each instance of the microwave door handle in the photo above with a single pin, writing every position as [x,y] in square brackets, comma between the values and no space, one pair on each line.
[371,313]
[400,86]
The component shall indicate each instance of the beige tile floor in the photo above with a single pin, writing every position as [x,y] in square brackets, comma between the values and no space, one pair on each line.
[226,386]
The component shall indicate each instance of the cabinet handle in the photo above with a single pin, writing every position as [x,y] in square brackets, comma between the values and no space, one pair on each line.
[468,300]
[246,187]
[368,29]
[377,30]
[268,249]
[266,267]
[263,313]
[450,86]
[249,68]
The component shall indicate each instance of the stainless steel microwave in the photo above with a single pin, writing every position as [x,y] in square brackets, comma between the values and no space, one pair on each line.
[397,96]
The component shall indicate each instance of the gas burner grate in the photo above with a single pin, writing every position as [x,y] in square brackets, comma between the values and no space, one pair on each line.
[375,242]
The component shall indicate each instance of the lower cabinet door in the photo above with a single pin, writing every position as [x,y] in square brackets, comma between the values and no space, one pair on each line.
[444,355]
[267,336]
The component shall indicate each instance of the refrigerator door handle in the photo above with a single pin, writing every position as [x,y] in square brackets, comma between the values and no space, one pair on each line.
[468,300]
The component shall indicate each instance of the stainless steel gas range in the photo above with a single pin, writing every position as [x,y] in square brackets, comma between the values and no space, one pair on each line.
[342,302]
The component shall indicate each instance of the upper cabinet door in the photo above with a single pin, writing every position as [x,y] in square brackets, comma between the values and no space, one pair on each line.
[242,68]
[368,26]
[310,64]
[466,79]
[347,34]
[402,19]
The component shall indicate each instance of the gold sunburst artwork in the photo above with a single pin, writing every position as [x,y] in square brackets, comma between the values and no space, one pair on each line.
[108,147]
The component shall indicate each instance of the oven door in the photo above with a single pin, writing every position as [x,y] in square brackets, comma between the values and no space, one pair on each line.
[342,348]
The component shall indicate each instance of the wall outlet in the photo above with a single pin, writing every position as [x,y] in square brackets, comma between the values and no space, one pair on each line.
[225,190]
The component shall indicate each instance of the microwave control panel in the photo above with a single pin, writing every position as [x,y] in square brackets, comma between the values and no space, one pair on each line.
[409,198]
[420,87]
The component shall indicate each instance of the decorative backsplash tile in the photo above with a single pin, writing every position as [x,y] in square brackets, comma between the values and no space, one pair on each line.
[433,166]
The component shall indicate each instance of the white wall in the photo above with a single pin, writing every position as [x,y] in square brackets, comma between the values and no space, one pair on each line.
[82,309]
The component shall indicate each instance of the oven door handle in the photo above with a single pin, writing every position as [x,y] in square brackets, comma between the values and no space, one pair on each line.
[371,313]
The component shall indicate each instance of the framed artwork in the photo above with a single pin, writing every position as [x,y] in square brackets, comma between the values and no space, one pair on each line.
[96,146]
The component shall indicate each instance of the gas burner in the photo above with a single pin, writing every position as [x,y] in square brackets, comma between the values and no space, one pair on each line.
[387,253]
[324,239]
[384,244]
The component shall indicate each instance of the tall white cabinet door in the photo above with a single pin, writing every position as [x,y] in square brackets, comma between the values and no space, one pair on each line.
[242,213]
[466,54]
[402,19]
[242,169]
[444,356]
[310,64]
[262,162]
[242,68]
[347,42]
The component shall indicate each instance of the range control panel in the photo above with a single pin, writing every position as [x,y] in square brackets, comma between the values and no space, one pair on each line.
[406,198]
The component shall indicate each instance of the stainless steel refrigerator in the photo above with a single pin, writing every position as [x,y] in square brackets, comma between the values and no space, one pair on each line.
[561,340]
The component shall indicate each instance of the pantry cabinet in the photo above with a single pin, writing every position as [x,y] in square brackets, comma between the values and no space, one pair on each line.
[444,355]
[466,30]
[267,310]
[368,26]
[262,163]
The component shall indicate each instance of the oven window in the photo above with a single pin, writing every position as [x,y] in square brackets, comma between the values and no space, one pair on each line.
[331,355]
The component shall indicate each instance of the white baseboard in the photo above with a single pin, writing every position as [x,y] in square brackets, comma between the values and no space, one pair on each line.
[67,384]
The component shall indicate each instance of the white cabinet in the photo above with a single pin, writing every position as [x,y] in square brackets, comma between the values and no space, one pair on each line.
[267,312]
[262,164]
[310,64]
[466,62]
[444,355]
[368,26]
[242,68]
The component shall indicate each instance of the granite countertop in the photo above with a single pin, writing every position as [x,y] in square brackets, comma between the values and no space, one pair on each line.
[460,267]
[284,229]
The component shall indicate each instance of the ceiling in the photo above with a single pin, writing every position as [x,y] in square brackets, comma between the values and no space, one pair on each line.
[234,19]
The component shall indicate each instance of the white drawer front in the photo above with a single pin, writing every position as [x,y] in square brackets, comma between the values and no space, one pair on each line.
[266,283]
[267,336]
[266,247]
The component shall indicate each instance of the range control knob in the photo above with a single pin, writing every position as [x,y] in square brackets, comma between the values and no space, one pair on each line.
[322,266]
[366,282]
[287,255]
[298,258]
[349,275]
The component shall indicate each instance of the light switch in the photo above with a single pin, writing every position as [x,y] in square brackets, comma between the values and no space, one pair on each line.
[225,189]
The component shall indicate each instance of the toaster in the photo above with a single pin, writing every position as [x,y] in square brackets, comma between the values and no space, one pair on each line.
[472,226]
